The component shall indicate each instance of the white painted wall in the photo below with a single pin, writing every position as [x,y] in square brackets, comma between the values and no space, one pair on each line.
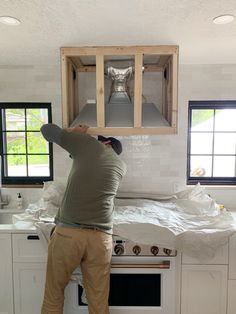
[155,163]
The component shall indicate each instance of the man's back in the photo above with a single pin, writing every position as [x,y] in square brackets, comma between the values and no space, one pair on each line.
[92,183]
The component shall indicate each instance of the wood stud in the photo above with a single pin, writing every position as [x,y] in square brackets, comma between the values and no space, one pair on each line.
[167,64]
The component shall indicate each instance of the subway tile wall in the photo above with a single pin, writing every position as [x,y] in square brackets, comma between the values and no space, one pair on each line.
[156,164]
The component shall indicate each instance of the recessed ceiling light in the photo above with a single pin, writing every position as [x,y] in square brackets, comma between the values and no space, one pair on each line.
[223,19]
[9,20]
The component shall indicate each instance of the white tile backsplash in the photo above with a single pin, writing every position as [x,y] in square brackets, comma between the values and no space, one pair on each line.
[155,163]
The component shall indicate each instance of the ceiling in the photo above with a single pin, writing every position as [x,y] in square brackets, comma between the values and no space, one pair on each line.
[48,25]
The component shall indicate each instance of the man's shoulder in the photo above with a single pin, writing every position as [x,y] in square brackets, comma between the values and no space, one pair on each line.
[119,163]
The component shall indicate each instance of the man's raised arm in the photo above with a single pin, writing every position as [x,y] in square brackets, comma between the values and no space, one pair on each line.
[52,133]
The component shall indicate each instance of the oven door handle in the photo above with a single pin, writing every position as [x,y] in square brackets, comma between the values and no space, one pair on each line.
[161,265]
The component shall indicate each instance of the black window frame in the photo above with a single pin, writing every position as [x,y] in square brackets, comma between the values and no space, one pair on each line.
[207,104]
[24,180]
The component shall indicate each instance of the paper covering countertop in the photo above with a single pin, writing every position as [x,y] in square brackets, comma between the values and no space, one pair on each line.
[189,221]
[192,223]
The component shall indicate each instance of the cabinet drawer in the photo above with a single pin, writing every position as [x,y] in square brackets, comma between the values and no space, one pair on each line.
[221,257]
[28,248]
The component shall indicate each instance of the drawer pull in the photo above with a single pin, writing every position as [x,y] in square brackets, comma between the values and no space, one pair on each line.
[32,237]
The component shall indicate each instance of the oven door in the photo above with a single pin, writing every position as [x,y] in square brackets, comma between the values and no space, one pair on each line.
[133,289]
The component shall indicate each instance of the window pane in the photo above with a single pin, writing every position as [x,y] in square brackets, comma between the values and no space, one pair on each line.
[212,127]
[16,165]
[26,154]
[15,119]
[16,142]
[225,143]
[201,143]
[224,166]
[36,118]
[36,143]
[225,120]
[202,120]
[200,166]
[38,165]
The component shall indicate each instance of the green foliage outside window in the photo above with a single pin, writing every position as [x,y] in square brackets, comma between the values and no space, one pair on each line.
[23,121]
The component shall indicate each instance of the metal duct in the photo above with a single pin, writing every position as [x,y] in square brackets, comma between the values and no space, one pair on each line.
[120,88]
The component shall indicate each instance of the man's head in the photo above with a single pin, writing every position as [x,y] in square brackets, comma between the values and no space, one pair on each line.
[115,144]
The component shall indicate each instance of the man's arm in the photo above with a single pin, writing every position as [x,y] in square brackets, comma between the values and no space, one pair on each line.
[69,139]
[81,128]
[52,133]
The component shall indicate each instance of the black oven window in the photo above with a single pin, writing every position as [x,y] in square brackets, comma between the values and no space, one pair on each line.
[133,290]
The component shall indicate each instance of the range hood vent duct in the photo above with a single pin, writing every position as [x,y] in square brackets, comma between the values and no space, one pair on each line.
[120,78]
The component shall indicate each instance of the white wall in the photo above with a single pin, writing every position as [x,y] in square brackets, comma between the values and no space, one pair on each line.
[155,163]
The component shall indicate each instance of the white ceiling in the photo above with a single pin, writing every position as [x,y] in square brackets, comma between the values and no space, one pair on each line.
[48,25]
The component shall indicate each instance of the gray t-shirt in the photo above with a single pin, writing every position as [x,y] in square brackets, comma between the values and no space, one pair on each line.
[93,180]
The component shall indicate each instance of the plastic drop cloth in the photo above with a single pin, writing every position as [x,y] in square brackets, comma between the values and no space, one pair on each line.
[44,210]
[192,223]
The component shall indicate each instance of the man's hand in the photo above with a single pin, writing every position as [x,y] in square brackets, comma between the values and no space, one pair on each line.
[81,128]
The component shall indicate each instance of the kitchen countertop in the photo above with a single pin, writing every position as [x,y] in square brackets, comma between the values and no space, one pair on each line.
[28,227]
[10,228]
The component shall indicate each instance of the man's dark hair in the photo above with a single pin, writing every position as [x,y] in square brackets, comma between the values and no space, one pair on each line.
[115,143]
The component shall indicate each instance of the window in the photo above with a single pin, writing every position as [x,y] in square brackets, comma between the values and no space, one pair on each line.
[212,142]
[26,158]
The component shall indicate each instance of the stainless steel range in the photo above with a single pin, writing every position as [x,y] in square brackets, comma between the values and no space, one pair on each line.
[143,280]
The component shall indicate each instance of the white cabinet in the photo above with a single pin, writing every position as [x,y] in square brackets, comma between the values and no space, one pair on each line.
[231,297]
[204,284]
[29,280]
[29,271]
[220,257]
[28,248]
[204,289]
[6,296]
[232,257]
[232,276]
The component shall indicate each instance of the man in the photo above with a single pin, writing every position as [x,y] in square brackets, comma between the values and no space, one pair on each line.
[83,233]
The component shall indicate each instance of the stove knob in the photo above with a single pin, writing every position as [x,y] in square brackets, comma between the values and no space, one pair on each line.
[154,250]
[167,251]
[136,249]
[119,249]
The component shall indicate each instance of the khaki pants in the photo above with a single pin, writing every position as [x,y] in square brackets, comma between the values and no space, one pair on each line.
[69,248]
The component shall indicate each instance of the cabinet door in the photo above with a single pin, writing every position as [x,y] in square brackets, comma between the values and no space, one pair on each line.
[231,297]
[29,280]
[204,289]
[232,257]
[6,291]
